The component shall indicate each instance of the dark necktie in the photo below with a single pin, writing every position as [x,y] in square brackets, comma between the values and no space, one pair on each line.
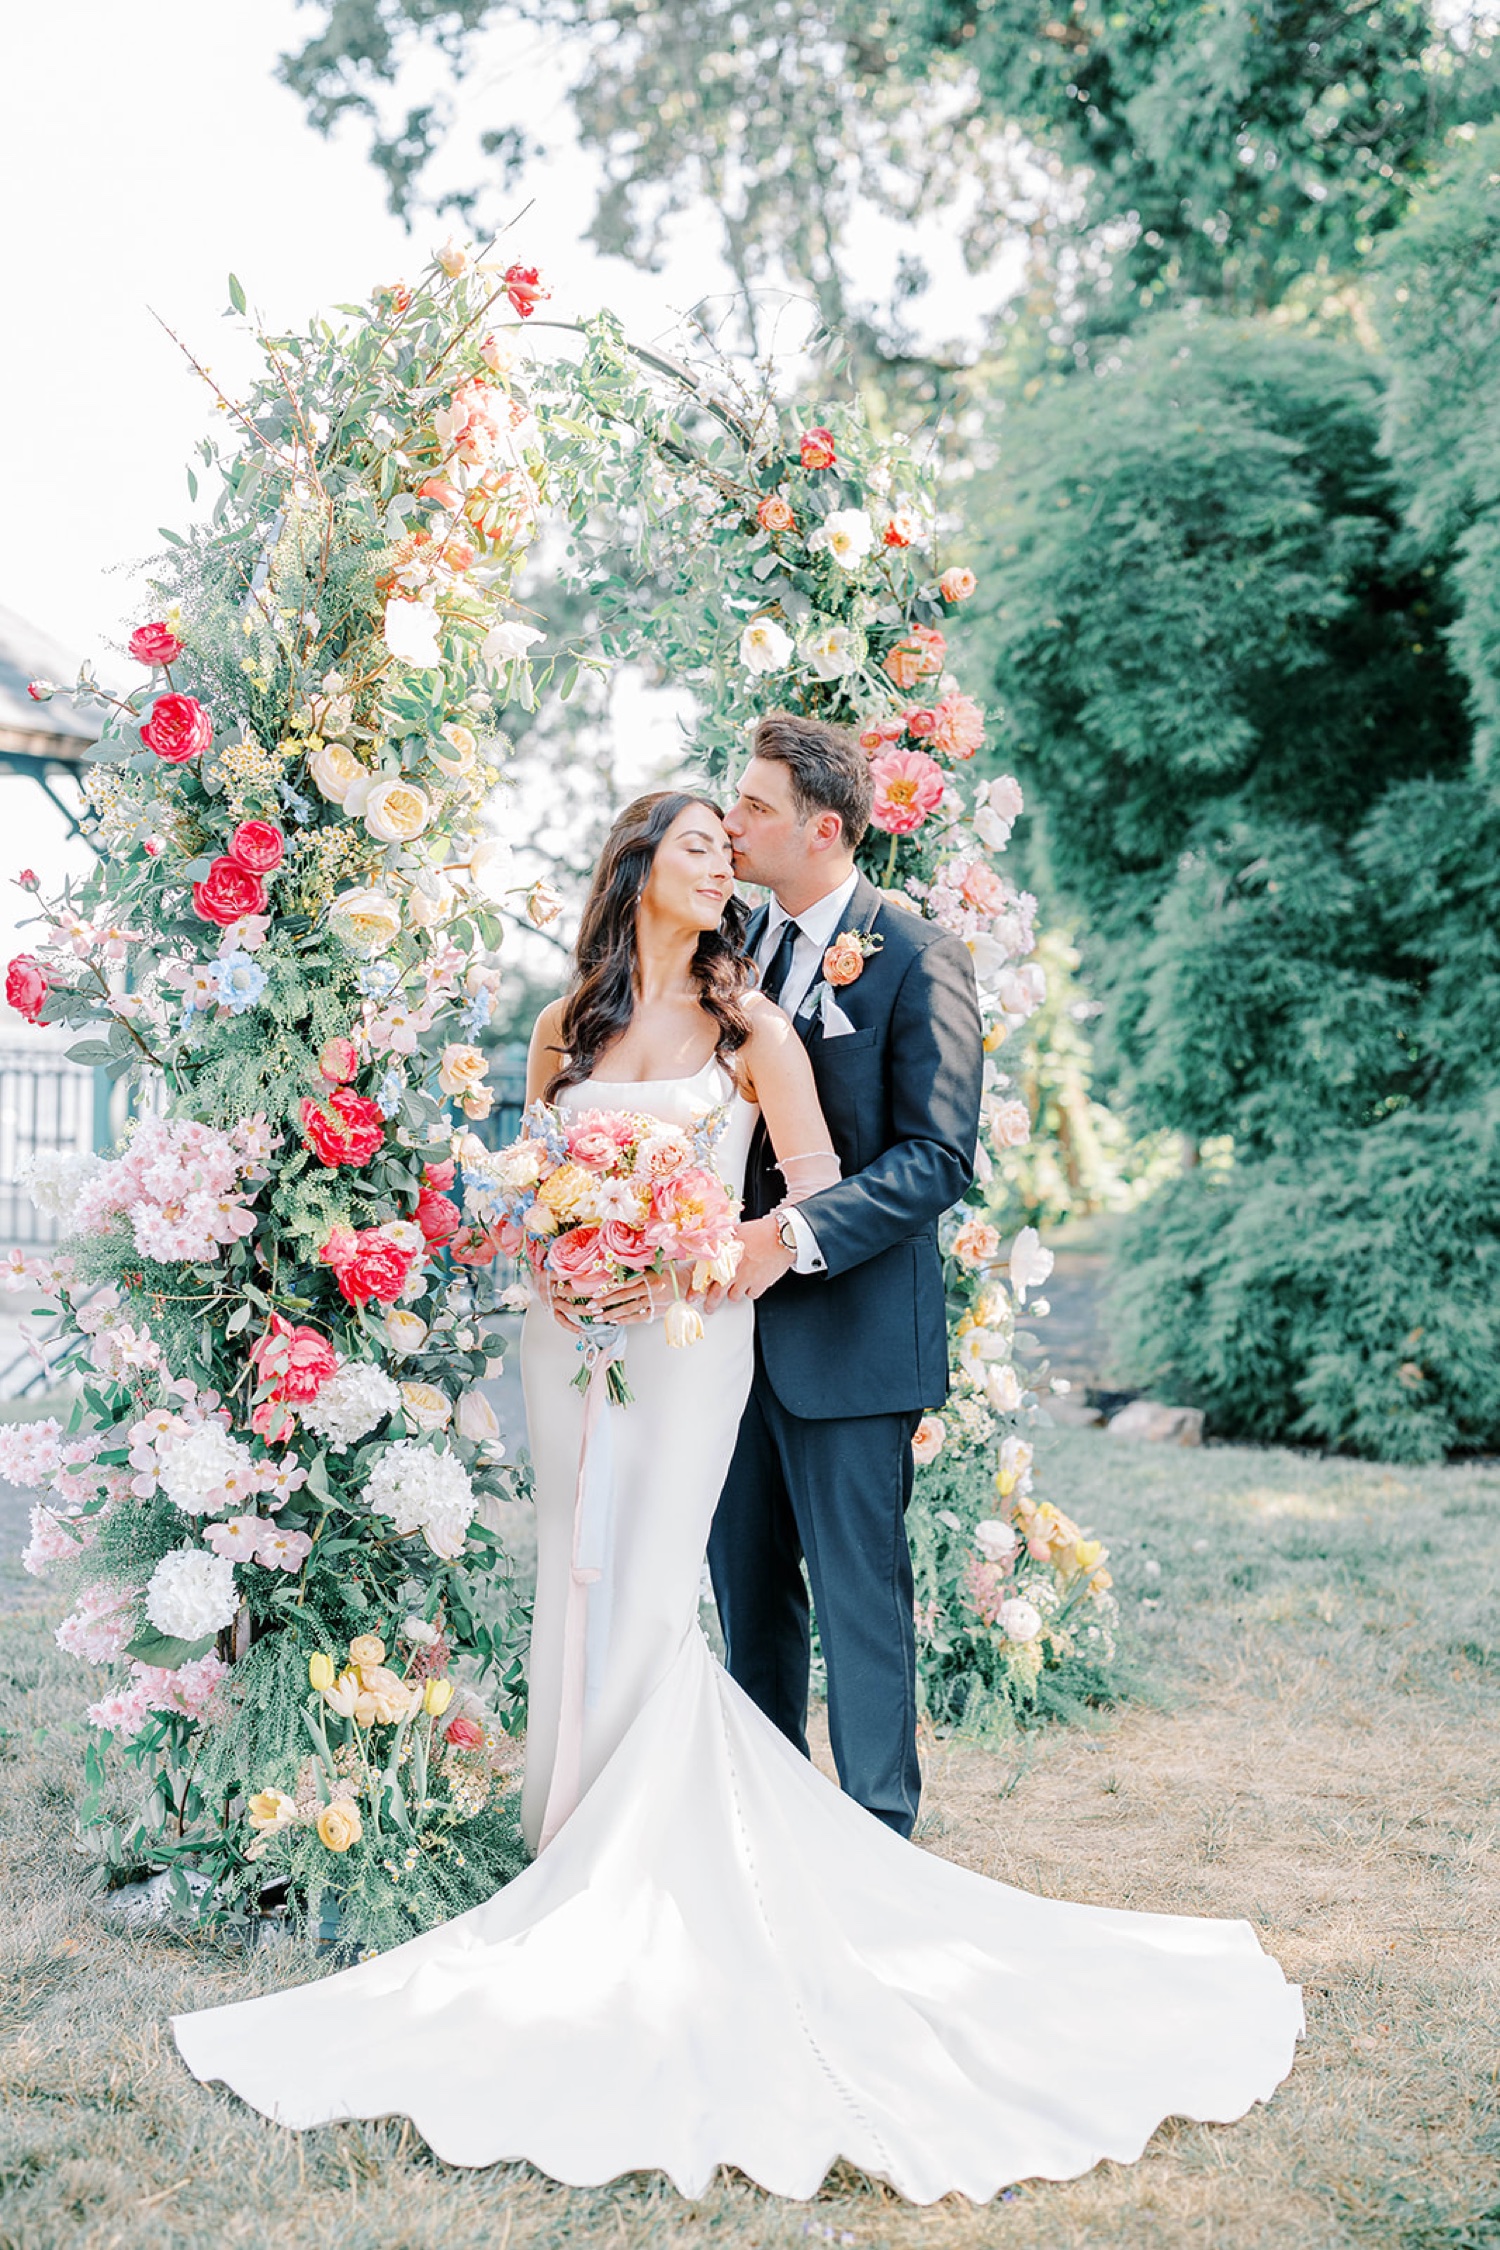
[778,968]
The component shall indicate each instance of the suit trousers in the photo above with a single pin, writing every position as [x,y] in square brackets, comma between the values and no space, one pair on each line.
[834,1493]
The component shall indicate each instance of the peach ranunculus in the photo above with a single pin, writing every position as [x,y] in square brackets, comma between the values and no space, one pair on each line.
[461,1070]
[775,513]
[958,725]
[844,962]
[929,1440]
[957,584]
[908,786]
[568,1193]
[339,1825]
[918,656]
[976,1242]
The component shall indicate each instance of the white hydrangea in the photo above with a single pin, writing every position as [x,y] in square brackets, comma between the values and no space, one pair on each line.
[203,1468]
[55,1177]
[422,1488]
[351,1404]
[191,1594]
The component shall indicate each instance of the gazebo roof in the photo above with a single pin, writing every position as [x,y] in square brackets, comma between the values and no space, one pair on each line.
[52,730]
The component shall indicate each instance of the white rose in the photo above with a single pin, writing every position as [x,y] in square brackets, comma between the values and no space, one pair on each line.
[995,1539]
[764,647]
[458,752]
[429,902]
[492,869]
[367,921]
[425,1406]
[334,772]
[410,632]
[396,810]
[1019,1620]
[508,640]
[475,1419]
[405,1332]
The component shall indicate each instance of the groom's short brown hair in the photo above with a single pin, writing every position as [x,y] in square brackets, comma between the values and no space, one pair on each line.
[829,770]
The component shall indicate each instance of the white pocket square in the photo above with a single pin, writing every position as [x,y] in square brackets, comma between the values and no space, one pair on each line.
[835,1022]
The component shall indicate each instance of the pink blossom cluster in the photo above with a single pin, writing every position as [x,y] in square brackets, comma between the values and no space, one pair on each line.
[101,1621]
[56,1538]
[188,1692]
[257,1539]
[30,1452]
[986,1589]
[179,1185]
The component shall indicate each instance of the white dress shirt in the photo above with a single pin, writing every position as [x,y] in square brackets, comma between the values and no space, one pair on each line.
[817,927]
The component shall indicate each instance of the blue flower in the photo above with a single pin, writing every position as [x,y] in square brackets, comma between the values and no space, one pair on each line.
[379,979]
[239,981]
[478,1014]
[389,1092]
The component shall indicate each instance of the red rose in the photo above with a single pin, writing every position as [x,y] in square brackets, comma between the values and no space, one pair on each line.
[155,644]
[351,1135]
[179,728]
[227,891]
[523,286]
[464,1733]
[818,450]
[439,1176]
[26,986]
[258,845]
[367,1265]
[438,1217]
[298,1361]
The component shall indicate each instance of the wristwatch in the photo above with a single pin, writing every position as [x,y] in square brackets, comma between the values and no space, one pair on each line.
[786,1233]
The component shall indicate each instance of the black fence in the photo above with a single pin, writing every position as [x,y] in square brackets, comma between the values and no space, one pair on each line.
[46,1102]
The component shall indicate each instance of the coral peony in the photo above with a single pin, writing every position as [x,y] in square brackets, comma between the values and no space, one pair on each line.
[957,726]
[26,986]
[908,786]
[154,644]
[367,1265]
[919,656]
[346,1129]
[258,845]
[178,729]
[227,891]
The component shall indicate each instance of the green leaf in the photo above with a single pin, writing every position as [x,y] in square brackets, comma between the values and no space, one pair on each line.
[92,1051]
[236,293]
[237,1320]
[164,1649]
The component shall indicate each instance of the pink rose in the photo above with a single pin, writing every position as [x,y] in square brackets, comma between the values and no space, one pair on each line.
[339,1060]
[1010,1125]
[983,888]
[26,986]
[626,1244]
[908,786]
[258,845]
[817,449]
[227,891]
[594,1142]
[178,729]
[154,644]
[957,585]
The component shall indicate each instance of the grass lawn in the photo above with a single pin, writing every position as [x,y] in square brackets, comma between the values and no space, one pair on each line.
[1320,1756]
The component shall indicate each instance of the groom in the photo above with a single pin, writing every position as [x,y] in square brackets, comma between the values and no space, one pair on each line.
[851,1336]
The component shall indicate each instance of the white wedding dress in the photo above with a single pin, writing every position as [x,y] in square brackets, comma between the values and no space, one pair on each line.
[720,1959]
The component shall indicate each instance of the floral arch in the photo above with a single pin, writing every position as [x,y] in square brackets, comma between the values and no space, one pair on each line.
[269,1492]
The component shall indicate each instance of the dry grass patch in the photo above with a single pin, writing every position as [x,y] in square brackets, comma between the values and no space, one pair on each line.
[1322,1759]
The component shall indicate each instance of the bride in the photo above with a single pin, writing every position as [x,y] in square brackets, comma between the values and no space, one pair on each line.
[717,1958]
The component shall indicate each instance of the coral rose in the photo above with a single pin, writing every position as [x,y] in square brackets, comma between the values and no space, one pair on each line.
[347,1129]
[976,1243]
[578,1259]
[258,845]
[775,513]
[154,644]
[461,1070]
[957,585]
[930,1437]
[227,891]
[908,786]
[843,963]
[26,986]
[626,1244]
[178,729]
[918,656]
[817,449]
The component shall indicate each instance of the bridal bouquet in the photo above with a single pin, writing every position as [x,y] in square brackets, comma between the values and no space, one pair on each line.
[593,1196]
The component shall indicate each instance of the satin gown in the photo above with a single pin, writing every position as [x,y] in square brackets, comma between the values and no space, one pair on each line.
[718,1958]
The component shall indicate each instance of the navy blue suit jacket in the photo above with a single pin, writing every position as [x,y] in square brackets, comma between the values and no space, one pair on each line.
[901,1096]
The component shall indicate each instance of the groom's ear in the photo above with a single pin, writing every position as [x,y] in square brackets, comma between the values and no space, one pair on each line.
[825,831]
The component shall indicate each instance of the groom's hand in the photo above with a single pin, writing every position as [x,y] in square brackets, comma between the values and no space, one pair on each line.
[765,1260]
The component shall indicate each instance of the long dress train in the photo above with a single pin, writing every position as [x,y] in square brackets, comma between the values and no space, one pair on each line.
[717,1958]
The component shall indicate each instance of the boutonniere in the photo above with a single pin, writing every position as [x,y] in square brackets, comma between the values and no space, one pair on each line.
[844,962]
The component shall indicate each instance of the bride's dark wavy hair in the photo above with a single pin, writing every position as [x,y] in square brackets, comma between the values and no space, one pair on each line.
[601,1000]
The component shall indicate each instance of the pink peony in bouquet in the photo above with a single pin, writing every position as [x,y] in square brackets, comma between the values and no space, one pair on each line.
[593,1196]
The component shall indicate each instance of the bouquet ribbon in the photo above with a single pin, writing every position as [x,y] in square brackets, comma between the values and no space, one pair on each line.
[584,1622]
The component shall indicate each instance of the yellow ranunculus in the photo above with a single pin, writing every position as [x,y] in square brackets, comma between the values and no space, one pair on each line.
[320,1672]
[436,1697]
[568,1194]
[272,1808]
[367,1648]
[339,1825]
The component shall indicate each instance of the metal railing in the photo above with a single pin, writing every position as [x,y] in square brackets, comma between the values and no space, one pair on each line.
[46,1102]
